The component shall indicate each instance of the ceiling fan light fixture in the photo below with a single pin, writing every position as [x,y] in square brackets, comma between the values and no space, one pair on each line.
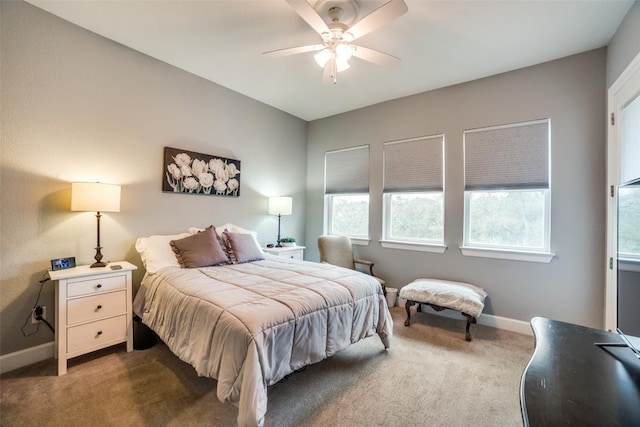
[322,57]
[341,64]
[344,27]
[344,51]
[347,37]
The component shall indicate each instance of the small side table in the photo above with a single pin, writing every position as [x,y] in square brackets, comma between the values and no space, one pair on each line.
[93,310]
[294,252]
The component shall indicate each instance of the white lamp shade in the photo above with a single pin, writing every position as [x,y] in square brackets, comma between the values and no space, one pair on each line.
[280,205]
[341,55]
[344,52]
[322,57]
[95,197]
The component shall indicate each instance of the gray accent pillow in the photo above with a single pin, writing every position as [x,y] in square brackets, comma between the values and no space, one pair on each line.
[244,247]
[199,250]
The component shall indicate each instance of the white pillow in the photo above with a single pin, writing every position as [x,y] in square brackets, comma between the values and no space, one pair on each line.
[231,228]
[156,251]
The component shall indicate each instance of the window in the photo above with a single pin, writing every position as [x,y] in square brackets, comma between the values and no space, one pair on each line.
[349,215]
[413,194]
[507,197]
[346,182]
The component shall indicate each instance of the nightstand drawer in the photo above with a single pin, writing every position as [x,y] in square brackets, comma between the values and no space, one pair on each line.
[98,284]
[293,255]
[96,307]
[96,333]
[291,252]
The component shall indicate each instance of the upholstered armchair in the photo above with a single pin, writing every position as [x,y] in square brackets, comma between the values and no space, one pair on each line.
[337,250]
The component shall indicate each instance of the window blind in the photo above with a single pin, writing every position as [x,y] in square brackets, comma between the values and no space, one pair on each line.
[347,171]
[507,157]
[414,165]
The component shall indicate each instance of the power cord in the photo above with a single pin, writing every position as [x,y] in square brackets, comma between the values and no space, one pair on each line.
[37,311]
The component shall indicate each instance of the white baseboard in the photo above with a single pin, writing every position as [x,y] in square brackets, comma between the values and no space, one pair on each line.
[27,356]
[490,320]
[505,323]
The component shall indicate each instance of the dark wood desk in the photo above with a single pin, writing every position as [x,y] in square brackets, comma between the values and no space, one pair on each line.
[570,381]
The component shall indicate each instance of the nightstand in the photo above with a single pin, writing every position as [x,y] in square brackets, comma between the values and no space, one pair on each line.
[93,310]
[295,252]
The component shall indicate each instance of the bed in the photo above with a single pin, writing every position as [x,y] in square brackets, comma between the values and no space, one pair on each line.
[249,323]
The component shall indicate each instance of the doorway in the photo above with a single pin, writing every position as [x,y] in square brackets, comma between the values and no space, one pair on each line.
[622,302]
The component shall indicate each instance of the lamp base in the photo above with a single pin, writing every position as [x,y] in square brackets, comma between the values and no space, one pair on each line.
[98,256]
[278,244]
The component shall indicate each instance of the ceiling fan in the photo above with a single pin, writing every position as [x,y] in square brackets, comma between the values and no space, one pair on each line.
[336,48]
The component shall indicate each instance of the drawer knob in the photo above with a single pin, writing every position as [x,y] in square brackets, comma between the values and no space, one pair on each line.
[98,307]
[99,333]
[98,286]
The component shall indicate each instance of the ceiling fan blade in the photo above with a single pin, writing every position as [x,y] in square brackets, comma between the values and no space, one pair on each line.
[309,14]
[375,56]
[295,50]
[379,17]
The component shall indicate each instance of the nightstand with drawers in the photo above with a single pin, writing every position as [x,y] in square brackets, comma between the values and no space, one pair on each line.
[295,252]
[93,309]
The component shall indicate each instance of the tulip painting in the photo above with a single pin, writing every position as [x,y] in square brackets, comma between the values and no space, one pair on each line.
[197,173]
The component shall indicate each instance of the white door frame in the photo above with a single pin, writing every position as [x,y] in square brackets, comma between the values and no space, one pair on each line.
[620,93]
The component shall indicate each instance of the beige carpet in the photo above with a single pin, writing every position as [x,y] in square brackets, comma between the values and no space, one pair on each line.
[430,377]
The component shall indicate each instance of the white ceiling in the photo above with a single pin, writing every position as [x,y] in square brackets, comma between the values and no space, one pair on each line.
[440,43]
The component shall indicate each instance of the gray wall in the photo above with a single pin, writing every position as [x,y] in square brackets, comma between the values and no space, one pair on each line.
[570,91]
[77,107]
[625,44]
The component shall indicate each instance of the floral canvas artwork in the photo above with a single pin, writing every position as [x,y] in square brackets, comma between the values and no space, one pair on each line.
[197,173]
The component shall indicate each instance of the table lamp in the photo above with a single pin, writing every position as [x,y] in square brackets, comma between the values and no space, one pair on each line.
[280,206]
[95,197]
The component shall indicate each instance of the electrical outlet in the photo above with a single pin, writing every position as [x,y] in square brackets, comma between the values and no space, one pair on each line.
[33,315]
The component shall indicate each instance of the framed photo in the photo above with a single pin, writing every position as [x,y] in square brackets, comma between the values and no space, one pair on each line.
[196,173]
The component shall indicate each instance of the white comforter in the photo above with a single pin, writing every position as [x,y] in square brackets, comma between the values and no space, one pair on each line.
[249,325]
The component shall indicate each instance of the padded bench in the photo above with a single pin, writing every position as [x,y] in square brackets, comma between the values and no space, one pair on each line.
[440,294]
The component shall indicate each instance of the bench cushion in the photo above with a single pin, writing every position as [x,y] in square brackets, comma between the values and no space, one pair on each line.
[458,296]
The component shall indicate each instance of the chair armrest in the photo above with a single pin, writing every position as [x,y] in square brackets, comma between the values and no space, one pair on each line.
[366,263]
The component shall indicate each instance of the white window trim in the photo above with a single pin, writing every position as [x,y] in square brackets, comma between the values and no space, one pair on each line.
[414,246]
[509,254]
[360,241]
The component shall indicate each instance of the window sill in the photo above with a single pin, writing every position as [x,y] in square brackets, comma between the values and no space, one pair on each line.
[361,241]
[542,257]
[420,247]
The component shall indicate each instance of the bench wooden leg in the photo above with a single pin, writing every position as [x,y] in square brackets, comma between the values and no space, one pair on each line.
[407,307]
[409,303]
[470,320]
